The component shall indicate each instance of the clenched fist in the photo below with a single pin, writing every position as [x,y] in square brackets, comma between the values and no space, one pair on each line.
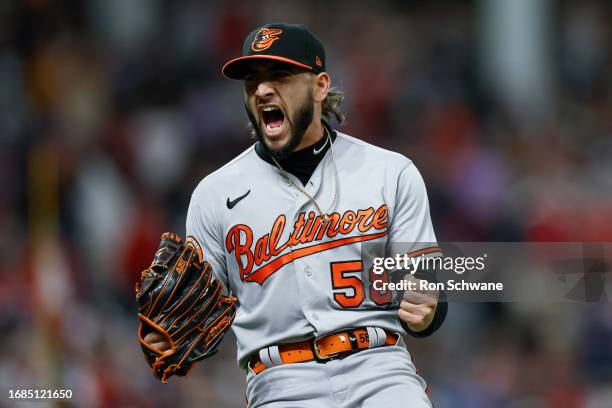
[418,308]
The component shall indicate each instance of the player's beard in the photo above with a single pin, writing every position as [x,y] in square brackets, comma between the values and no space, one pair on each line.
[298,124]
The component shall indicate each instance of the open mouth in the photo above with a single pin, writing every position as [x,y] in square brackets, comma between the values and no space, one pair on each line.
[273,119]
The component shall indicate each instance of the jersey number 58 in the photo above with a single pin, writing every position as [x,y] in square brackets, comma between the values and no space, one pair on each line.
[348,288]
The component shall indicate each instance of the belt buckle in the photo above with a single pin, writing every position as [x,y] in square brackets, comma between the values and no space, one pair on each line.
[318,355]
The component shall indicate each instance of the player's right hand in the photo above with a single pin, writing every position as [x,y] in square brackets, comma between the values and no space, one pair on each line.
[156,340]
[418,307]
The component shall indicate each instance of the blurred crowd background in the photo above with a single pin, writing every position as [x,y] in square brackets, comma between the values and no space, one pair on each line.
[111,111]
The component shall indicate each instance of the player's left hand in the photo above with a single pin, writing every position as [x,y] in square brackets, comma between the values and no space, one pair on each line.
[418,308]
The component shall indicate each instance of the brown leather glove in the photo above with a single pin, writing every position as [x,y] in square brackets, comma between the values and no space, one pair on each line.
[178,298]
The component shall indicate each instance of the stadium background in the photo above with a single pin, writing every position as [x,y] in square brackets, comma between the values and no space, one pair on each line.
[111,111]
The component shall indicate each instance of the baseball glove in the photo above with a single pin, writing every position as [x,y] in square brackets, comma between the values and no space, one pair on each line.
[178,297]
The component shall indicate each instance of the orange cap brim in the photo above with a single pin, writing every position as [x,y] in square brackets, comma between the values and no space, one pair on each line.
[235,69]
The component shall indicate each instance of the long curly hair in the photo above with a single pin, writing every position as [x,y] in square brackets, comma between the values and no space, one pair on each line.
[331,105]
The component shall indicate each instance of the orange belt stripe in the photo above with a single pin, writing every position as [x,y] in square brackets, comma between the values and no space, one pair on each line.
[327,347]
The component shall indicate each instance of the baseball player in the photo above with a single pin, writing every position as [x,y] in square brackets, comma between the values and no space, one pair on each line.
[283,225]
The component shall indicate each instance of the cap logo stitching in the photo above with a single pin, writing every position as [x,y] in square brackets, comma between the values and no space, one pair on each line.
[265,38]
[318,61]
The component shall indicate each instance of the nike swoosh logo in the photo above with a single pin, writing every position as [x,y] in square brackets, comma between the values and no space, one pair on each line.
[232,204]
[315,151]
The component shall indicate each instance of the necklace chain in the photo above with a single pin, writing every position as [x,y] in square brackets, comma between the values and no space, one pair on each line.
[311,198]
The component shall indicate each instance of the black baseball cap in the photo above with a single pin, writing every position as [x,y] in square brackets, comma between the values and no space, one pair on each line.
[290,43]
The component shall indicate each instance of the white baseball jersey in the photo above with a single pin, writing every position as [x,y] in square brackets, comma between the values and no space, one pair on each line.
[295,276]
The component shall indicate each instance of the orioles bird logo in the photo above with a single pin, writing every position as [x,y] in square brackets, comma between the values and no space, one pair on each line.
[264,38]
